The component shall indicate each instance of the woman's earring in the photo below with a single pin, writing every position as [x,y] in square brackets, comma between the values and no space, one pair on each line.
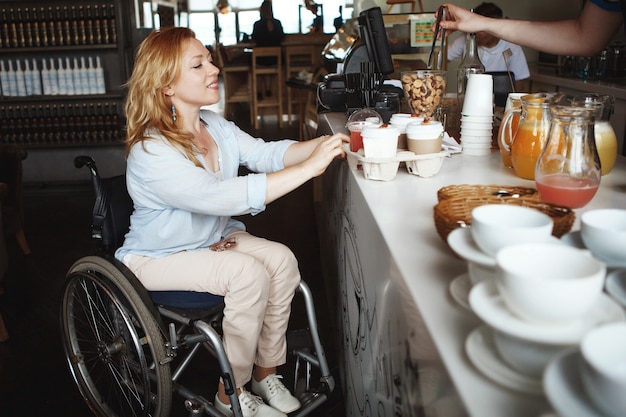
[173,113]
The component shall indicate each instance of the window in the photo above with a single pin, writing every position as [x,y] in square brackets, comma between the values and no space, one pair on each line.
[152,14]
[247,19]
[229,28]
[203,24]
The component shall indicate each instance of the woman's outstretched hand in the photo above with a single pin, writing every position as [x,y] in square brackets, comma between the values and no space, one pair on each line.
[328,148]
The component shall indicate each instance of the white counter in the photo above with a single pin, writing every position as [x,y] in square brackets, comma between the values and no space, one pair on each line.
[394,272]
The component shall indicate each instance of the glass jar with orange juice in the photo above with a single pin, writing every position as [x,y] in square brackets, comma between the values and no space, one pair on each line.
[531,134]
[505,136]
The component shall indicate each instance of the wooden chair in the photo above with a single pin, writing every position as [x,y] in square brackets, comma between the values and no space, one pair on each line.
[392,3]
[297,59]
[260,101]
[236,73]
[308,126]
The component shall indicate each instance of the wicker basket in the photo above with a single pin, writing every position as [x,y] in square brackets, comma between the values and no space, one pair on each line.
[455,212]
[469,190]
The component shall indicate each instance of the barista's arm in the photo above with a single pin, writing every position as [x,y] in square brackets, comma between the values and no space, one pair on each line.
[586,35]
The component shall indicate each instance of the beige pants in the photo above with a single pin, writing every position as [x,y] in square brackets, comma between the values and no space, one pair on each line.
[257,278]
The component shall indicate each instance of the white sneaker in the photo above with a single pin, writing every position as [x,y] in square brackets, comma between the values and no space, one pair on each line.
[272,390]
[251,406]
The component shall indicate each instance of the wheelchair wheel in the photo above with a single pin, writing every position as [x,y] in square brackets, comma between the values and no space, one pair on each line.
[114,346]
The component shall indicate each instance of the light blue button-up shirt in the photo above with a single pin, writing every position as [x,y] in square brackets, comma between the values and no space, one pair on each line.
[179,206]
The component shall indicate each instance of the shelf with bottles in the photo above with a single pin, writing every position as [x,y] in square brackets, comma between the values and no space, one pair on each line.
[58,24]
[62,124]
[48,49]
[48,76]
[111,95]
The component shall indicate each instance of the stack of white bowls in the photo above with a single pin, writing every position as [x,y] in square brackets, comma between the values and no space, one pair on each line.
[477,115]
[537,297]
[595,374]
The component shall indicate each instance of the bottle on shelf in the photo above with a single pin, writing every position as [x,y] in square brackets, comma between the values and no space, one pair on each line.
[18,125]
[38,125]
[100,126]
[67,33]
[4,79]
[62,78]
[28,29]
[28,78]
[74,32]
[63,123]
[21,38]
[12,80]
[97,26]
[35,28]
[45,78]
[471,64]
[51,29]
[89,29]
[69,80]
[36,79]
[14,39]
[77,87]
[19,79]
[31,135]
[56,123]
[84,76]
[104,24]
[92,76]
[112,24]
[4,30]
[115,123]
[71,124]
[58,26]
[82,27]
[54,79]
[100,77]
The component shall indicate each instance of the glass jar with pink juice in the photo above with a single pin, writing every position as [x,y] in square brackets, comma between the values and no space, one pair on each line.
[568,170]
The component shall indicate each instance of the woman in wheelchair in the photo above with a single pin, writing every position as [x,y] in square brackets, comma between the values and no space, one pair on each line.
[183,176]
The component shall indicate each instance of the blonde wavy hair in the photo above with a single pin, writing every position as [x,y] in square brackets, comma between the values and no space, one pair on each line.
[157,64]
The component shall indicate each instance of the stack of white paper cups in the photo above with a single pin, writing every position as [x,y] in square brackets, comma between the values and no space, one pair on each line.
[477,115]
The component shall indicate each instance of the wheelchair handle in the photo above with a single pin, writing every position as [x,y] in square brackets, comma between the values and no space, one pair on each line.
[82,160]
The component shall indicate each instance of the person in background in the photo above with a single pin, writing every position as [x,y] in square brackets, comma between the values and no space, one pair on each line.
[338,21]
[585,35]
[495,54]
[267,31]
[182,174]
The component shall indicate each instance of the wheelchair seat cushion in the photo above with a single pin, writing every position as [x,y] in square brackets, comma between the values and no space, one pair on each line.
[189,300]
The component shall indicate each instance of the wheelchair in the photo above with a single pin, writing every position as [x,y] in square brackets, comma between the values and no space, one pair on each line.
[127,347]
